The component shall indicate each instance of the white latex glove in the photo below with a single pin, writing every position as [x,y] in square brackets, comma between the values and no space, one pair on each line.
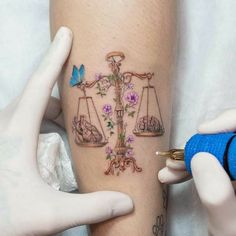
[28,206]
[174,172]
[212,182]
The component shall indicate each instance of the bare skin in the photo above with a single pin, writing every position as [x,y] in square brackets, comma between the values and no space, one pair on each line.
[122,39]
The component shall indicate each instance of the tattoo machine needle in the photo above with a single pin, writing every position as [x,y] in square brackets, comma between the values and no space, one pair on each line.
[222,146]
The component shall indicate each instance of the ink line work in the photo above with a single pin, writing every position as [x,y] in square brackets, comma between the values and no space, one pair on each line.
[126,104]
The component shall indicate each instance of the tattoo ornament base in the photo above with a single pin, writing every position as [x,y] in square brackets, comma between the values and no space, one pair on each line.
[117,112]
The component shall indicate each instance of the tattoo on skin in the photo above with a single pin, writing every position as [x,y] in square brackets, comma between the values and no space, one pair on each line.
[158,229]
[165,197]
[94,128]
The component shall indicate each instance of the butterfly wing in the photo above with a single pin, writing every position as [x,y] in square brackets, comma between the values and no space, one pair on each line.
[81,74]
[74,77]
[77,75]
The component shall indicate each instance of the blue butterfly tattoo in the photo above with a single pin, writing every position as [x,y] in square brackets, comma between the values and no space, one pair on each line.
[77,76]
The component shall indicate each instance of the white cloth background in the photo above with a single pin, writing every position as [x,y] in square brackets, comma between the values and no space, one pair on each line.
[204,79]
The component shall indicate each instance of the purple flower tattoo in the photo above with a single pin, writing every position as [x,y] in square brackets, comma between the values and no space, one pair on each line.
[130,139]
[129,153]
[98,76]
[132,97]
[107,109]
[109,151]
[130,86]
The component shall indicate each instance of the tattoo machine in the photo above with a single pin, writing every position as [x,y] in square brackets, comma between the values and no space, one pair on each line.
[222,146]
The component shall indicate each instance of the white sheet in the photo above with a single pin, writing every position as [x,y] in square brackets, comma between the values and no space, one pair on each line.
[205,83]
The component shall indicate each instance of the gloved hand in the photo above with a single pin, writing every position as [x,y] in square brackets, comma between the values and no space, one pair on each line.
[28,206]
[212,182]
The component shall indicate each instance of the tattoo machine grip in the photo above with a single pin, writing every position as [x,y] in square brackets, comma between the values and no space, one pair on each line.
[222,146]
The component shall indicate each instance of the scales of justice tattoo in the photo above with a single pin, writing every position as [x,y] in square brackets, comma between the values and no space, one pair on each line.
[89,121]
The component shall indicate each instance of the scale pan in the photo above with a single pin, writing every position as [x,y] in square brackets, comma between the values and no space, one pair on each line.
[148,133]
[87,144]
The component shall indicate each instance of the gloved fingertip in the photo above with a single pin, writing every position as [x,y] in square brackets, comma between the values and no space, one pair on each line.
[63,32]
[122,205]
[205,127]
[162,175]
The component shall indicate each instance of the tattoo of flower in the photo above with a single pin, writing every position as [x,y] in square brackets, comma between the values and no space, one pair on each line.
[129,153]
[98,76]
[109,152]
[132,100]
[130,140]
[107,109]
[101,90]
[158,228]
[103,84]
[130,86]
[107,116]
